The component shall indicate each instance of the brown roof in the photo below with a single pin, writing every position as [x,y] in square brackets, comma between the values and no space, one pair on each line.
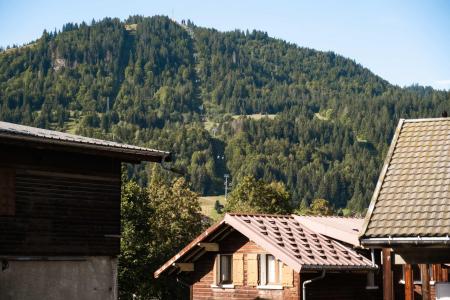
[412,197]
[288,240]
[344,229]
[14,133]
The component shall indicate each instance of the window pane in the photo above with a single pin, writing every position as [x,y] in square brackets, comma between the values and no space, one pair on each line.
[225,268]
[271,269]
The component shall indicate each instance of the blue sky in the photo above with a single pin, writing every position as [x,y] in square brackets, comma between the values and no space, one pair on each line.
[405,42]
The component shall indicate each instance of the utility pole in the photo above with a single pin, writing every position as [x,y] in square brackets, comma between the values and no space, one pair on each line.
[226,185]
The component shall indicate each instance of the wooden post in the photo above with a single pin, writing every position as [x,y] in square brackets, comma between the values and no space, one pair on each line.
[437,273]
[409,282]
[444,274]
[388,289]
[425,274]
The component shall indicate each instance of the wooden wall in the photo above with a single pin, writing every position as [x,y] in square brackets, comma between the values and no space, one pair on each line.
[65,204]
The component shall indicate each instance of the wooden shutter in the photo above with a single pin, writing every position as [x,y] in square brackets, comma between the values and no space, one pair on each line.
[238,269]
[7,192]
[252,269]
[262,269]
[216,270]
[287,278]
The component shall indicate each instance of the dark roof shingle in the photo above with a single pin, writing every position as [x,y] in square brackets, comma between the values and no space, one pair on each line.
[10,131]
[412,197]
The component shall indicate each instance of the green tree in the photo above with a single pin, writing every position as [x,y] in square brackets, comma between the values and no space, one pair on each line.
[256,196]
[156,223]
[320,207]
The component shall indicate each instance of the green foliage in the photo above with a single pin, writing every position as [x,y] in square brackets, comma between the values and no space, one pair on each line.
[149,82]
[318,207]
[255,196]
[156,223]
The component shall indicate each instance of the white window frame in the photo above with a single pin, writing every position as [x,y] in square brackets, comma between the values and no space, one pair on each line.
[219,283]
[417,282]
[263,275]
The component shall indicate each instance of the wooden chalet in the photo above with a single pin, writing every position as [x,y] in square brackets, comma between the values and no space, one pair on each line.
[409,215]
[60,213]
[249,256]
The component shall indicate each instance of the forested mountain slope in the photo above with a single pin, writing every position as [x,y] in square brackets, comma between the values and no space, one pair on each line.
[195,91]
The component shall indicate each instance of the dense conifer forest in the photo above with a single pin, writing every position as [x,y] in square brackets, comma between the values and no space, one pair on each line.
[238,103]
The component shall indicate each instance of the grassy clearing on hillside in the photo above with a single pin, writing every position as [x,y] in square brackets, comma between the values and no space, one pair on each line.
[130,27]
[360,138]
[209,125]
[324,115]
[207,204]
[256,116]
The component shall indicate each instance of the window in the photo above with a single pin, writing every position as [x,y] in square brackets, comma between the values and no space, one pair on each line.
[7,192]
[417,275]
[224,269]
[270,270]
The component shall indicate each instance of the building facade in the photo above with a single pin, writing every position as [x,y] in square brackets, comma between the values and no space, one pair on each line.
[60,213]
[249,256]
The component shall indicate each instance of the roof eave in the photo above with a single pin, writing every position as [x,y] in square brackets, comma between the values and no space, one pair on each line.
[381,242]
[188,247]
[339,268]
[123,154]
[381,178]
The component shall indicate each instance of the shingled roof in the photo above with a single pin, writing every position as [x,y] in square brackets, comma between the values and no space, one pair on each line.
[344,229]
[288,240]
[412,197]
[14,133]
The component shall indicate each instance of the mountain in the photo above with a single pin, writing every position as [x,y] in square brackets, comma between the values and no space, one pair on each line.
[238,103]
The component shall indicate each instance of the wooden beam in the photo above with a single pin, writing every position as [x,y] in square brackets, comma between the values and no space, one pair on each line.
[202,252]
[184,267]
[388,290]
[209,247]
[192,254]
[409,282]
[425,274]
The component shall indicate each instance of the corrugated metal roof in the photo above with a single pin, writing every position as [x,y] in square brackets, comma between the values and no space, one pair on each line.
[339,228]
[15,131]
[289,241]
[412,197]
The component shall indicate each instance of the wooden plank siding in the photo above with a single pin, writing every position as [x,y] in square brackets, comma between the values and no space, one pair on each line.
[7,192]
[65,204]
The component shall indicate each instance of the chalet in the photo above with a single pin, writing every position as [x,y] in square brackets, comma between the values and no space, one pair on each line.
[249,256]
[409,215]
[60,213]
